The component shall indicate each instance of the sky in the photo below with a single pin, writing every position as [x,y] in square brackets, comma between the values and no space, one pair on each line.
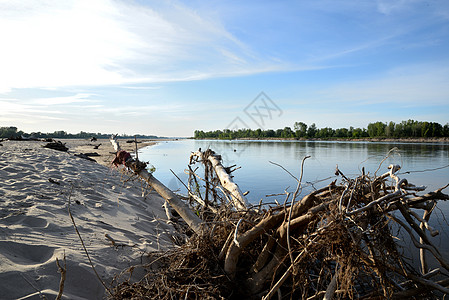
[168,68]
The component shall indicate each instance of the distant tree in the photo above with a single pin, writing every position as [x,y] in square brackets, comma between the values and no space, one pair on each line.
[271,133]
[437,129]
[357,133]
[300,129]
[311,131]
[425,129]
[342,133]
[287,132]
[404,129]
[351,130]
[446,130]
[10,132]
[376,129]
[279,133]
[326,132]
[389,130]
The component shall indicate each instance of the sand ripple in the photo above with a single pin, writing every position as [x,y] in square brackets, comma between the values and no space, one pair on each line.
[35,228]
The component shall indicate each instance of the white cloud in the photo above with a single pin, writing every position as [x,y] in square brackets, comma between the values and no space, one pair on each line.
[78,98]
[57,44]
[51,44]
[17,112]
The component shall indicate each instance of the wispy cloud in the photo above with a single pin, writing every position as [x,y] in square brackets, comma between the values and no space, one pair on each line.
[171,65]
[141,87]
[388,7]
[105,42]
[78,98]
[412,85]
[18,112]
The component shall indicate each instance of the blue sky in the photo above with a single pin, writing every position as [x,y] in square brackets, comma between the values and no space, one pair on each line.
[170,67]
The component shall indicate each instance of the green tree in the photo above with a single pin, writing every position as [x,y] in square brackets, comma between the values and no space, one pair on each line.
[376,129]
[311,131]
[326,132]
[300,129]
[389,129]
[342,133]
[446,130]
[287,133]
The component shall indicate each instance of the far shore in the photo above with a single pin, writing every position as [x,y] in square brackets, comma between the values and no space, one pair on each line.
[399,140]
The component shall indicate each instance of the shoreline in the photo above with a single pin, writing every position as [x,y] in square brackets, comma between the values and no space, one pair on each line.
[398,140]
[105,151]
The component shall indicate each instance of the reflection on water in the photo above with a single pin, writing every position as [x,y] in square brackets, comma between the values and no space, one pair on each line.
[262,178]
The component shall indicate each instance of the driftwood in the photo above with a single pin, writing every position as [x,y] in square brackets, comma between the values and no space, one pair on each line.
[337,242]
[194,222]
[237,198]
[56,146]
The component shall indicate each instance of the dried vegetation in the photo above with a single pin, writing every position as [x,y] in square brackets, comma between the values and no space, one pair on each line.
[342,241]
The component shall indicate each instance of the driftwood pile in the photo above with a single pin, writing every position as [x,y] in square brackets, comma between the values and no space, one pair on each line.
[56,145]
[342,241]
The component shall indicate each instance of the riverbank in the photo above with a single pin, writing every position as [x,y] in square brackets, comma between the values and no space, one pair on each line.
[398,140]
[35,227]
[105,151]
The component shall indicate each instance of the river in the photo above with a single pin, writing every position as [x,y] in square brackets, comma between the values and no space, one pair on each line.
[422,163]
[260,174]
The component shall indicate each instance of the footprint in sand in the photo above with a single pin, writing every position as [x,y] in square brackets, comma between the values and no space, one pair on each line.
[25,254]
[30,221]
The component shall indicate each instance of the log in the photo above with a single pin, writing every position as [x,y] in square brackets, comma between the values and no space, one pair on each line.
[194,222]
[238,199]
[264,225]
[422,252]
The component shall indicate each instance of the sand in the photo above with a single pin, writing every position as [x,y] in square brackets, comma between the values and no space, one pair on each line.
[35,227]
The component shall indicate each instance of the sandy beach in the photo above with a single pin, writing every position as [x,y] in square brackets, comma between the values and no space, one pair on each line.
[35,227]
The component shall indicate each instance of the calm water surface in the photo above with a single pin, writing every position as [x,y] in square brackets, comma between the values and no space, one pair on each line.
[262,178]
[422,164]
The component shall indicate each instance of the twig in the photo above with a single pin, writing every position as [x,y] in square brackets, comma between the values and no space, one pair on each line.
[288,272]
[291,210]
[338,172]
[426,170]
[34,287]
[117,244]
[418,245]
[198,199]
[422,252]
[397,192]
[288,172]
[63,271]
[236,242]
[385,158]
[167,210]
[137,152]
[225,246]
[340,203]
[84,247]
[332,287]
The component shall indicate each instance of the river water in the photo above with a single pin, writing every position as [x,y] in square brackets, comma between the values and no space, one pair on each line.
[421,164]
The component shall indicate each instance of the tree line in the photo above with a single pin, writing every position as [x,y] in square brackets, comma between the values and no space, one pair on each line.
[404,129]
[13,133]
